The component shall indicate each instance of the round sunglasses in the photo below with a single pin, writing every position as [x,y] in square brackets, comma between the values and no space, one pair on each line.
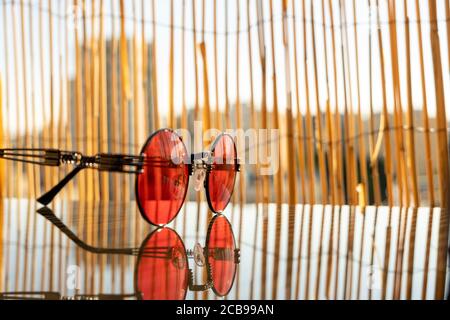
[162,170]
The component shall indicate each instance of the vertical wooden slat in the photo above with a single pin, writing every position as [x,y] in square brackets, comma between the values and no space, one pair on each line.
[45,137]
[206,104]
[338,158]
[373,166]
[197,89]
[320,152]
[239,126]
[329,124]
[156,124]
[428,159]
[278,179]
[411,159]
[300,130]
[59,129]
[137,107]
[52,141]
[103,136]
[103,108]
[7,182]
[19,142]
[318,131]
[124,106]
[348,107]
[67,144]
[349,146]
[398,122]
[184,115]
[331,162]
[362,150]
[362,146]
[144,68]
[171,115]
[447,18]
[197,114]
[384,128]
[301,153]
[290,142]
[264,125]
[254,124]
[238,105]
[78,108]
[227,98]
[310,149]
[403,162]
[384,125]
[309,124]
[216,70]
[411,154]
[29,168]
[2,193]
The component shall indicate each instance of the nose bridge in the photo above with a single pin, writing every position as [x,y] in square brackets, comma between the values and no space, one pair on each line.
[199,177]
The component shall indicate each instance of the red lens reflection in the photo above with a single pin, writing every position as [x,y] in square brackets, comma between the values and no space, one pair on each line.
[220,183]
[162,270]
[162,186]
[221,246]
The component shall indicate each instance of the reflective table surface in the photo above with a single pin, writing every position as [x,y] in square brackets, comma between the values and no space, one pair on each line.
[106,250]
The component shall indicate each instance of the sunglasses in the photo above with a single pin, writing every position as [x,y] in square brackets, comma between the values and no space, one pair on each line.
[162,267]
[162,170]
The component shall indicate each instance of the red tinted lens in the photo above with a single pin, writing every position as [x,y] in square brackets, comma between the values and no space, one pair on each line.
[162,186]
[162,271]
[223,174]
[221,248]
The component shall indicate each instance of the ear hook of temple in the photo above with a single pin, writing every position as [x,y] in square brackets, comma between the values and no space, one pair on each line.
[102,162]
[46,157]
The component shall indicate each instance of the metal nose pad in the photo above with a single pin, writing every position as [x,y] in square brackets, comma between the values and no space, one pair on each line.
[199,178]
[199,257]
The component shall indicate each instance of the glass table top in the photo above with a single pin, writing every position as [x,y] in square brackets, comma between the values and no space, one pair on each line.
[106,250]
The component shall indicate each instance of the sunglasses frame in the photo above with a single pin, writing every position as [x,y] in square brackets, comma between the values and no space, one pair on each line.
[191,170]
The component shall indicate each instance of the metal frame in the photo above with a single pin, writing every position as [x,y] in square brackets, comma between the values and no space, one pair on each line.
[140,252]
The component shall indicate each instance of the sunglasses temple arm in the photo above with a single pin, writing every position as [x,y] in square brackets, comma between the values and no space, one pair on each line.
[48,197]
[102,162]
[20,295]
[43,157]
[48,214]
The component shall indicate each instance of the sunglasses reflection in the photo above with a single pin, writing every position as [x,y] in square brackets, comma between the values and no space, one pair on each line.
[164,268]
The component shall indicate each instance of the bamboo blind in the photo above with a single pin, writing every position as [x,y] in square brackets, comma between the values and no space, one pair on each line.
[87,76]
